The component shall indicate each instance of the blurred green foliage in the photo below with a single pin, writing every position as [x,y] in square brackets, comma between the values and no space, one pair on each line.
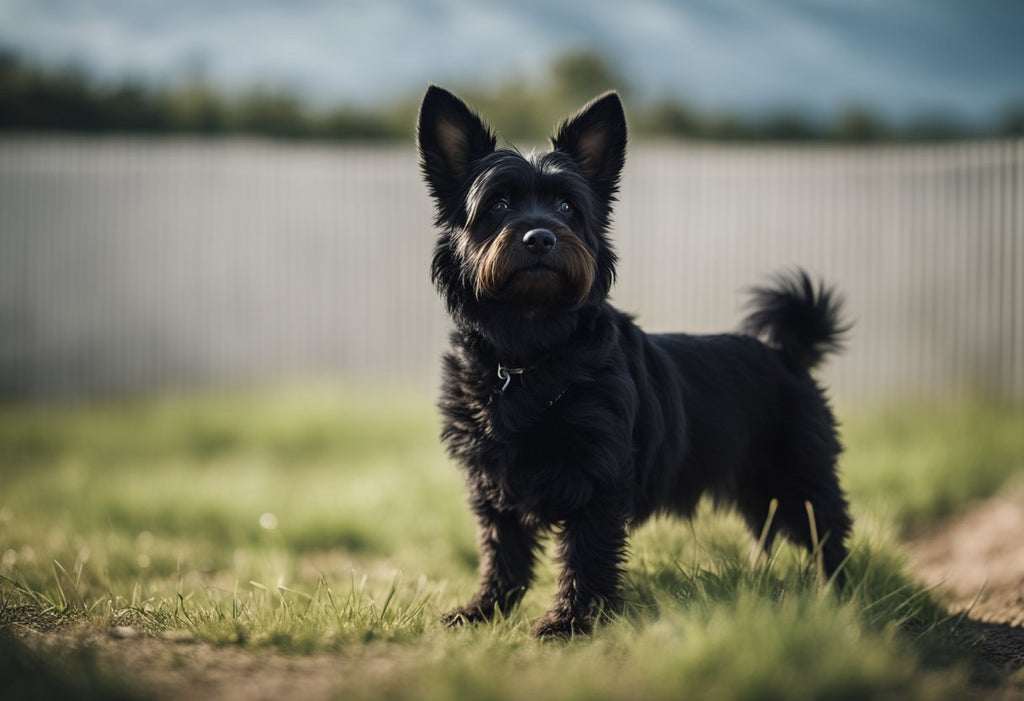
[34,98]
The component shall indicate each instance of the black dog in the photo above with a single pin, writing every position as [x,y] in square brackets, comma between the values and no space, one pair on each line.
[565,415]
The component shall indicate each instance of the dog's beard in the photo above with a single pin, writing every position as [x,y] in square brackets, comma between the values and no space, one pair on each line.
[506,272]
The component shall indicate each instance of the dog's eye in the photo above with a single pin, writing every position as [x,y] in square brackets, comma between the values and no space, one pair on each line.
[499,205]
[564,207]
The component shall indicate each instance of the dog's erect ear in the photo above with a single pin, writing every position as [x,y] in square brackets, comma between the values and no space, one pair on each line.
[596,139]
[450,138]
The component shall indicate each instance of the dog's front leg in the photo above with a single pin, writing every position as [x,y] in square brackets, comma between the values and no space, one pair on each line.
[507,554]
[591,548]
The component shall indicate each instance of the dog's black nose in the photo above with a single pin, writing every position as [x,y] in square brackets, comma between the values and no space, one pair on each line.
[539,241]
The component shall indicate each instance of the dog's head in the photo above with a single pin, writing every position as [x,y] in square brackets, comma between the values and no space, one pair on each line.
[521,235]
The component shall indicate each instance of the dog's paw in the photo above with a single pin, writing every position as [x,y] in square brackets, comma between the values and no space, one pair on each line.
[463,615]
[561,626]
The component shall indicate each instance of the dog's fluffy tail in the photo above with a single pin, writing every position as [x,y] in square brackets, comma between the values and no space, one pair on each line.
[804,323]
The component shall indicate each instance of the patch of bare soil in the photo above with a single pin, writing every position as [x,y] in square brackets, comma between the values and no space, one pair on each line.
[51,662]
[977,558]
[145,666]
[976,561]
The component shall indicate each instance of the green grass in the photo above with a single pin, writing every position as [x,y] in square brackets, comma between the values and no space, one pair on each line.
[330,521]
[912,464]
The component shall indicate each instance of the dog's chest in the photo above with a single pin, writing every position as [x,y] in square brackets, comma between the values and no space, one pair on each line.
[541,470]
[523,452]
[522,433]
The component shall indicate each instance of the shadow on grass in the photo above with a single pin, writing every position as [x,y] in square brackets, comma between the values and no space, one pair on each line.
[993,652]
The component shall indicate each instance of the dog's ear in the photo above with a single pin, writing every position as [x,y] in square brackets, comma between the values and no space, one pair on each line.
[450,138]
[596,139]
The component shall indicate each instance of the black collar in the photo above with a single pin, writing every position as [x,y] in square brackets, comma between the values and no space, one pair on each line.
[505,374]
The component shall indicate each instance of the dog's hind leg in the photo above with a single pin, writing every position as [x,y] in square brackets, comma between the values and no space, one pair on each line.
[821,524]
[811,510]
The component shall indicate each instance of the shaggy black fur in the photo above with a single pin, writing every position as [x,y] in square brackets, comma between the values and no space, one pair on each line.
[566,416]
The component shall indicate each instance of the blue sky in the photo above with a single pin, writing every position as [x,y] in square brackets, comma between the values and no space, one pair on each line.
[900,57]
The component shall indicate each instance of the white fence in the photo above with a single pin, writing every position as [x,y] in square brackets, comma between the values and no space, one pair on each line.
[130,265]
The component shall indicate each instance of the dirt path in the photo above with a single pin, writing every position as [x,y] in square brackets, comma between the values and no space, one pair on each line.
[976,561]
[62,663]
[977,558]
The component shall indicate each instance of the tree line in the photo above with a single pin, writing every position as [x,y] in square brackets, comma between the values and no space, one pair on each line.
[34,98]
